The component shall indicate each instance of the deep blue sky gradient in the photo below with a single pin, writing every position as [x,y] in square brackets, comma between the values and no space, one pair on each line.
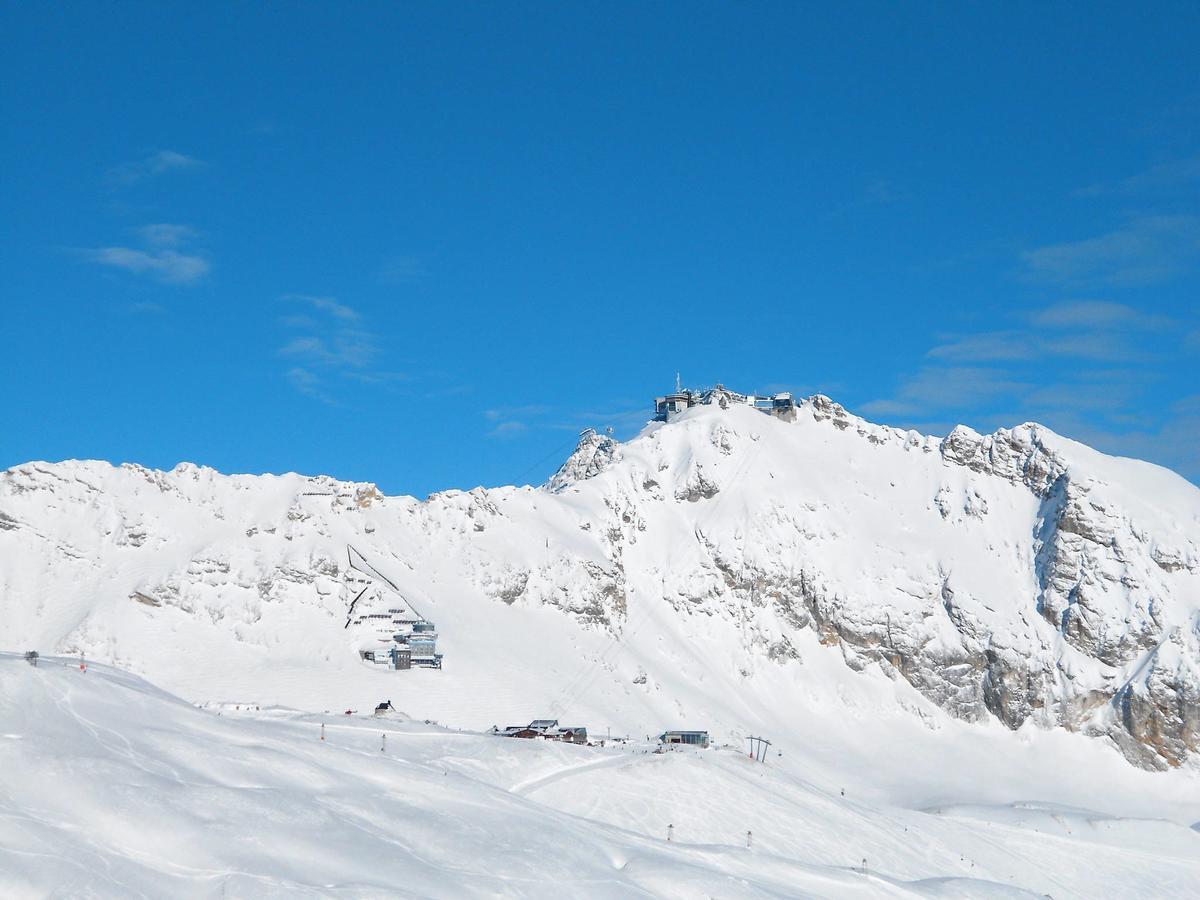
[425,247]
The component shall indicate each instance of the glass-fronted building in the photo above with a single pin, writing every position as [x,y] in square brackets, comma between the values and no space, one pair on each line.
[694,738]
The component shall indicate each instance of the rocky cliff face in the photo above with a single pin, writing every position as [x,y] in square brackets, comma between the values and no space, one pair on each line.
[1105,583]
[1018,575]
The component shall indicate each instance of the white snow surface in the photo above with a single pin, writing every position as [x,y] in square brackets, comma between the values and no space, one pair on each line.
[679,580]
[110,787]
[931,626]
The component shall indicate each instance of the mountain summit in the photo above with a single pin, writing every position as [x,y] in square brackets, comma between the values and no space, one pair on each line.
[726,569]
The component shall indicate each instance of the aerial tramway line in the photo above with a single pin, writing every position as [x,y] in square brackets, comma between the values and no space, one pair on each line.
[408,640]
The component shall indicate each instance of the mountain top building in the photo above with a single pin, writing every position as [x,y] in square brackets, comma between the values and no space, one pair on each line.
[682,399]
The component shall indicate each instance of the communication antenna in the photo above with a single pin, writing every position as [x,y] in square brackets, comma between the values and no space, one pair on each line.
[678,384]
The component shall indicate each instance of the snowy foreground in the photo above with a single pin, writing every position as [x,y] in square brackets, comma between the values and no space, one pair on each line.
[111,787]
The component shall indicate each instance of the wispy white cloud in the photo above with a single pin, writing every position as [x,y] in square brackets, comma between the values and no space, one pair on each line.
[1085,329]
[1163,176]
[935,388]
[327,344]
[1098,346]
[1089,395]
[988,346]
[1145,250]
[512,421]
[157,163]
[1065,365]
[163,256]
[1025,345]
[401,270]
[889,409]
[305,346]
[307,383]
[344,349]
[1096,314]
[1171,440]
[508,412]
[326,305]
[166,235]
[508,430]
[168,266]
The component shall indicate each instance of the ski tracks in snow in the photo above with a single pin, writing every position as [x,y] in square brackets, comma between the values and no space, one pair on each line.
[529,785]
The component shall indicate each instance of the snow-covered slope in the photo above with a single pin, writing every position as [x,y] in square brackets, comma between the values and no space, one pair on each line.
[110,787]
[729,570]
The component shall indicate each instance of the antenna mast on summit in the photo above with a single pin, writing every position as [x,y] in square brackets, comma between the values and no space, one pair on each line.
[678,384]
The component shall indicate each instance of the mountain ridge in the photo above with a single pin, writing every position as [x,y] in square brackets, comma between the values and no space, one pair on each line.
[1018,576]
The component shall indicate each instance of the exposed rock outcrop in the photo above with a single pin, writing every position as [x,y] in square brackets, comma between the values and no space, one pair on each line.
[1016,575]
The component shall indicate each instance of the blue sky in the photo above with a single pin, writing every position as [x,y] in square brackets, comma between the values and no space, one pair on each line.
[425,247]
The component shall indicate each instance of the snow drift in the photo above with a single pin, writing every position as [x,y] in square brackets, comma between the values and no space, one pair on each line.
[110,787]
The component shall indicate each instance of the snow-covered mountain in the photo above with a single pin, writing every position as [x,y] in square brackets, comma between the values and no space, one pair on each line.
[729,570]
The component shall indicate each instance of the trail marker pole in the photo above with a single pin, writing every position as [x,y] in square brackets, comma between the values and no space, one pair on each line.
[670,832]
[383,743]
[322,731]
[749,840]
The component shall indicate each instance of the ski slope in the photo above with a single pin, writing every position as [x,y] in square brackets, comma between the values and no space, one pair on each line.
[110,787]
